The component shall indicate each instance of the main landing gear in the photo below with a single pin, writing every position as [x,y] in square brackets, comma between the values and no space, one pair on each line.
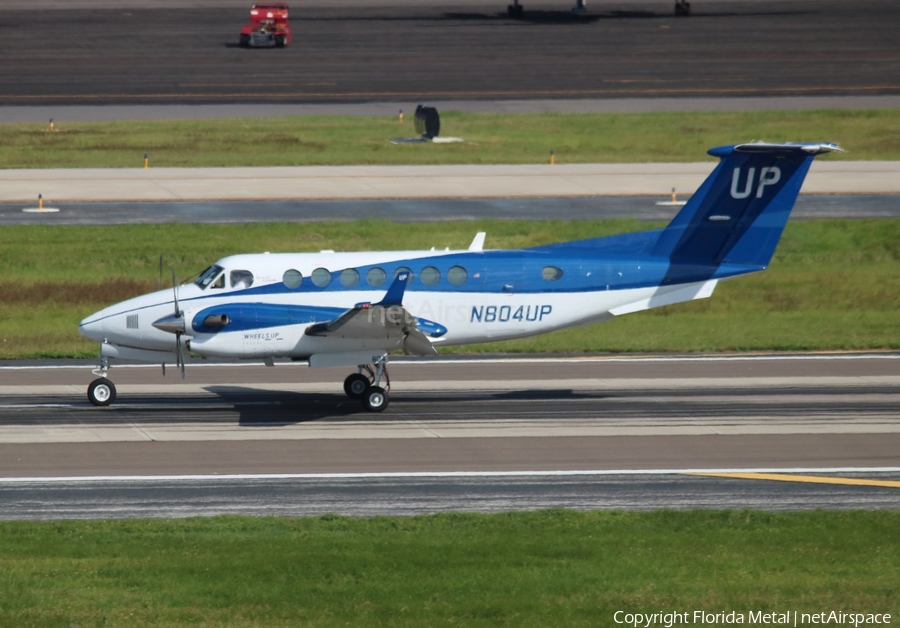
[365,385]
[682,8]
[101,391]
[516,10]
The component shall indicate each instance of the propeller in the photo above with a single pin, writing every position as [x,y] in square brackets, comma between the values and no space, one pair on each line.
[179,351]
[174,324]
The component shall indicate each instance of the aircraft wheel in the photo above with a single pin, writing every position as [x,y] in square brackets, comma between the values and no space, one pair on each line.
[101,392]
[355,385]
[279,41]
[375,399]
[245,41]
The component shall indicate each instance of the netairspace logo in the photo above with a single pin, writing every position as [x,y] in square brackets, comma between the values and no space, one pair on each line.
[786,618]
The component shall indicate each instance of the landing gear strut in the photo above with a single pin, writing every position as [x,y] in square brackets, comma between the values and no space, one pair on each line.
[365,385]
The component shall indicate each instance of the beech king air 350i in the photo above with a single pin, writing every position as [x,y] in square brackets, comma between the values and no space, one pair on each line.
[351,309]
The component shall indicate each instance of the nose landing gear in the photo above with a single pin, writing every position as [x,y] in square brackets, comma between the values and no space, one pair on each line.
[101,391]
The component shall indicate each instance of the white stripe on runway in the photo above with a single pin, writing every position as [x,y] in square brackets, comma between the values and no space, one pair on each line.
[530,360]
[432,474]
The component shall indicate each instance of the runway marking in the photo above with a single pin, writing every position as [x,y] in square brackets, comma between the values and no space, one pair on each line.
[779,477]
[433,474]
[289,84]
[548,360]
[21,406]
[462,93]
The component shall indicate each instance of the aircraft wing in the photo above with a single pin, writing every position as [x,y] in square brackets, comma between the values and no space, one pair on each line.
[387,323]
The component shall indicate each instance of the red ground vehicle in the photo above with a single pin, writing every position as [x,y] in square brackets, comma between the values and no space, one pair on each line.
[268,26]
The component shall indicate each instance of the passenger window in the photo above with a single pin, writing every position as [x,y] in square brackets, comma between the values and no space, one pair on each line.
[292,279]
[404,269]
[376,277]
[321,277]
[430,275]
[241,279]
[551,273]
[457,275]
[219,282]
[349,277]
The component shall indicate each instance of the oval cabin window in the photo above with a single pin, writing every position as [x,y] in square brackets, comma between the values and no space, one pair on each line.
[551,273]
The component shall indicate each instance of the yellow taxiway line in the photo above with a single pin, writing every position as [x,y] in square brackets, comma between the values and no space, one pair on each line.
[815,479]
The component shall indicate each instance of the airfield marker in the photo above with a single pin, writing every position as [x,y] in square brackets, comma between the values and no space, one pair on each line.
[673,203]
[40,209]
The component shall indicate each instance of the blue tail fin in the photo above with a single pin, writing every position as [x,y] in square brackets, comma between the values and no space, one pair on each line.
[738,214]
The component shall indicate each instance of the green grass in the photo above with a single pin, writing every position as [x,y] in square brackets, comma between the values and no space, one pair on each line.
[546,568]
[833,284]
[871,134]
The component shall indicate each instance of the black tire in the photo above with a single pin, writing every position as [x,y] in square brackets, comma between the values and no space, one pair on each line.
[245,41]
[279,41]
[101,392]
[355,385]
[375,399]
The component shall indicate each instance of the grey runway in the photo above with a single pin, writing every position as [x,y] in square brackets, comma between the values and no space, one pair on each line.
[420,210]
[407,496]
[257,440]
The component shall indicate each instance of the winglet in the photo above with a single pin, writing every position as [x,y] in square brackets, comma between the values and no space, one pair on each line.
[394,294]
[477,245]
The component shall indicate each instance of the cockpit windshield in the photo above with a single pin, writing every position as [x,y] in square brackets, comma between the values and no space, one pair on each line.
[208,276]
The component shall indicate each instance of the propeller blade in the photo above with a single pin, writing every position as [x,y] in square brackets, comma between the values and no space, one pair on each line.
[179,353]
[179,350]
[175,293]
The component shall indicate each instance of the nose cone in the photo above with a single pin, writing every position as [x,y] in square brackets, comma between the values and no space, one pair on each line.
[92,327]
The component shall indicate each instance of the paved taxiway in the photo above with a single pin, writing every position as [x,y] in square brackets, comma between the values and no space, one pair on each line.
[422,210]
[62,114]
[534,417]
[97,51]
[409,182]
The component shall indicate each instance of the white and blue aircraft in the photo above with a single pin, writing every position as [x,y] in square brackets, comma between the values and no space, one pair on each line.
[352,309]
